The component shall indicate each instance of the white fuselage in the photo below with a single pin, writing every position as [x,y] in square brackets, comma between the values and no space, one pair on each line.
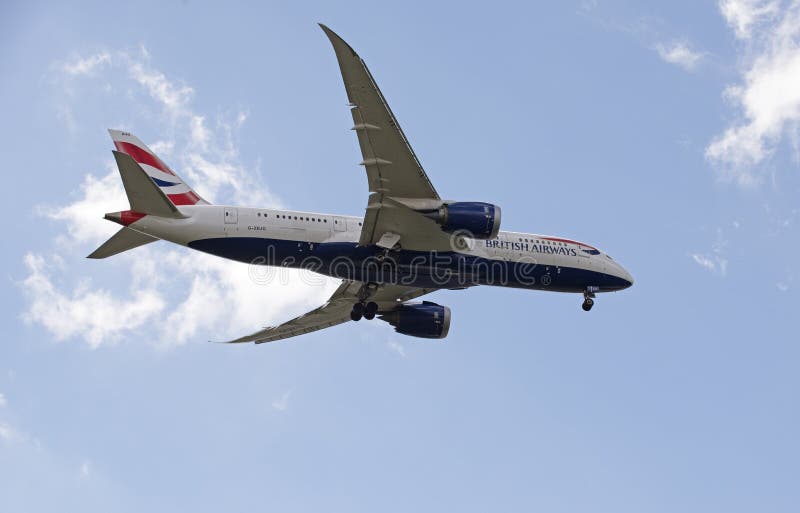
[314,240]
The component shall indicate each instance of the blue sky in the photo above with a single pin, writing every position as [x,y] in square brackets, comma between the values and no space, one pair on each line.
[665,133]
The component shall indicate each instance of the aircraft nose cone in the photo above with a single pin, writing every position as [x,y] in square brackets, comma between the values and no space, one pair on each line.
[627,277]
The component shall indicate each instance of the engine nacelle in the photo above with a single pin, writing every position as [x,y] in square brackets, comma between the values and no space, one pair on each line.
[424,320]
[481,220]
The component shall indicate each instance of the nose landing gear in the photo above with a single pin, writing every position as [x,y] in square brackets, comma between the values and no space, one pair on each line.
[588,298]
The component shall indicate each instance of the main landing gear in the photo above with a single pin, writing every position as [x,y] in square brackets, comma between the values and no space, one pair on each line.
[588,298]
[365,310]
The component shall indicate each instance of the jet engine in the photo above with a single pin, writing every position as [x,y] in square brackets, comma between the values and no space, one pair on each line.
[424,320]
[480,220]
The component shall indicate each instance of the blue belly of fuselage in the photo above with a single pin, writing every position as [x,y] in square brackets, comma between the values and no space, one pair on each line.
[348,261]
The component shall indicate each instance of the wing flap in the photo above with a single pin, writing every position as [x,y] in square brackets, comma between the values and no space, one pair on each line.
[323,317]
[418,233]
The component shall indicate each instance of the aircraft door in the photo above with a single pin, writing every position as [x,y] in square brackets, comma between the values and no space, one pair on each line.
[231,217]
[339,224]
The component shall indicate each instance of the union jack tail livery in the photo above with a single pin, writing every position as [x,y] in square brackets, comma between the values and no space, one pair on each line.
[165,178]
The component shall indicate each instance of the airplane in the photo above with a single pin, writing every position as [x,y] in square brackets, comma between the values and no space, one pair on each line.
[410,242]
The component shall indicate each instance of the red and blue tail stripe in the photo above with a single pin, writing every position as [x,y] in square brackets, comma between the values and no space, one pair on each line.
[178,192]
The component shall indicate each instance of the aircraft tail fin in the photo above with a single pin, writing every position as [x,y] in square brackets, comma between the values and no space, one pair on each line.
[123,240]
[173,186]
[144,196]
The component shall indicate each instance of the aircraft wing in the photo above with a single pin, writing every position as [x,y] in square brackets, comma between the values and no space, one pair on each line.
[335,311]
[393,170]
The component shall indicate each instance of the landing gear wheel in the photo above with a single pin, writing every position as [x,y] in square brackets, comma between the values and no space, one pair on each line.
[370,310]
[357,312]
[588,298]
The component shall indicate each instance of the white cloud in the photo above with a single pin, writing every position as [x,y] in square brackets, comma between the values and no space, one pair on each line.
[768,96]
[193,296]
[742,15]
[679,53]
[227,297]
[710,262]
[715,262]
[786,283]
[85,469]
[397,347]
[650,31]
[86,65]
[163,148]
[282,403]
[8,434]
[704,261]
[97,315]
[174,97]
[587,6]
[3,401]
[84,217]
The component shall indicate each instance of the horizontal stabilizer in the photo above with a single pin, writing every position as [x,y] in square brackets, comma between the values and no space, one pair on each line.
[143,194]
[123,240]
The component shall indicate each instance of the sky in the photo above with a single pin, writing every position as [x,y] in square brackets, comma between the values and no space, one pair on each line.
[665,133]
